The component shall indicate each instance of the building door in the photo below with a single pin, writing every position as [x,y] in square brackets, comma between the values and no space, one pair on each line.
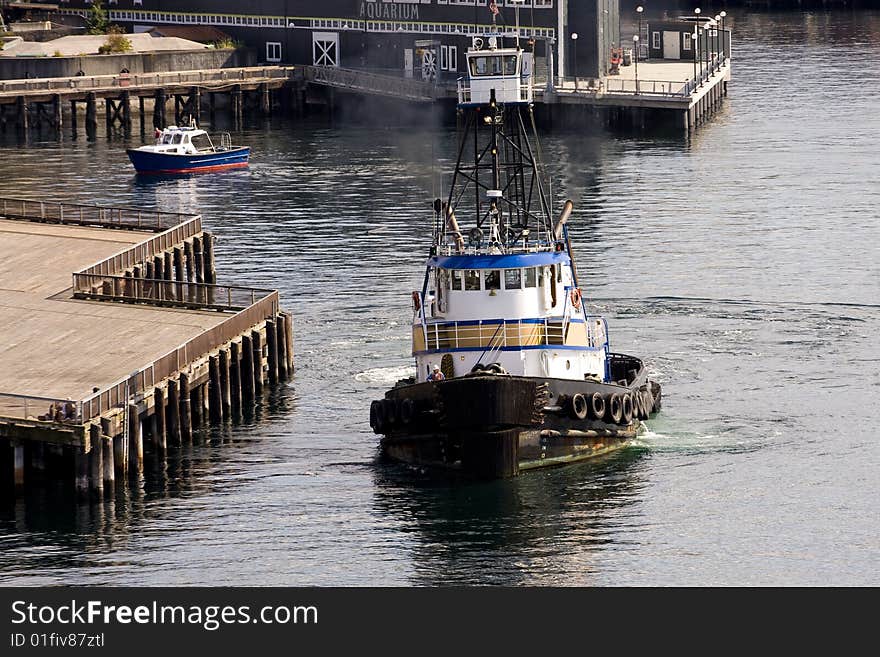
[671,47]
[407,62]
[429,63]
[325,48]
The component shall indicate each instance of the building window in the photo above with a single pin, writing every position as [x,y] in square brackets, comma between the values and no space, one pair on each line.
[273,51]
[655,40]
[686,45]
[448,58]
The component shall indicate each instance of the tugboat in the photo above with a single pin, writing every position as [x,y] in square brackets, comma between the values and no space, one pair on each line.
[187,149]
[512,372]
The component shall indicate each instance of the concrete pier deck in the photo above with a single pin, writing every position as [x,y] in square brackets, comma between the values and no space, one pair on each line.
[56,346]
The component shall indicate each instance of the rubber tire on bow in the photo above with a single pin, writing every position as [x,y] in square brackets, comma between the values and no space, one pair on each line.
[597,406]
[377,416]
[614,408]
[578,406]
[626,415]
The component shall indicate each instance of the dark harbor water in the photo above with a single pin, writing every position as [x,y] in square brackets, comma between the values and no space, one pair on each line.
[744,266]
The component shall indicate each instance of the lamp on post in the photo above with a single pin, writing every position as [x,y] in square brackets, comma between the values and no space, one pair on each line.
[574,58]
[717,38]
[723,52]
[698,54]
[639,11]
[636,59]
[694,49]
[707,38]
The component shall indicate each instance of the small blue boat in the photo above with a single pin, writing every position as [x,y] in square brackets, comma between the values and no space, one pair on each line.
[188,150]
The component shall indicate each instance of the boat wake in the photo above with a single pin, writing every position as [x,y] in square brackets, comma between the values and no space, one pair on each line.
[385,375]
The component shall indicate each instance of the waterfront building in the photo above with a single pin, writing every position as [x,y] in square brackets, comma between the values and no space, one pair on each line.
[424,39]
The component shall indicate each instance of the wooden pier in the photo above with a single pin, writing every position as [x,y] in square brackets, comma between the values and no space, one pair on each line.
[41,102]
[118,343]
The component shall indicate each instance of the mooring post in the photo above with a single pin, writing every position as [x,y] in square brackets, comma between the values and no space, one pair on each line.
[172,413]
[246,368]
[18,463]
[96,461]
[108,115]
[265,100]
[272,345]
[215,404]
[188,261]
[160,435]
[195,103]
[257,339]
[235,379]
[199,257]
[91,115]
[236,107]
[185,407]
[223,363]
[135,439]
[23,120]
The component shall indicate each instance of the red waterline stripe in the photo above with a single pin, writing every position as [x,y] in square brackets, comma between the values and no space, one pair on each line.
[216,167]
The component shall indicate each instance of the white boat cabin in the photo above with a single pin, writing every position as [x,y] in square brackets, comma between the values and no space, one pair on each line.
[184,141]
[507,71]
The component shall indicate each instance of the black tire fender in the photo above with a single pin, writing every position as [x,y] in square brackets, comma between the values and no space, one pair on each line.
[626,415]
[597,406]
[377,416]
[579,406]
[614,409]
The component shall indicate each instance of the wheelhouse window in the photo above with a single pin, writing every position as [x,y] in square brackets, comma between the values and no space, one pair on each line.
[493,279]
[485,65]
[201,142]
[531,277]
[512,279]
[177,138]
[456,279]
[471,279]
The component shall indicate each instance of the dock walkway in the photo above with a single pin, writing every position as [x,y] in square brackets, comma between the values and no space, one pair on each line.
[114,327]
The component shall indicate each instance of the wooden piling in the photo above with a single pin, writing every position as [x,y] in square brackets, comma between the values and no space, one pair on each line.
[178,272]
[197,406]
[188,261]
[246,368]
[96,461]
[288,341]
[215,404]
[236,107]
[135,439]
[23,111]
[57,117]
[199,257]
[109,468]
[223,364]
[18,463]
[272,347]
[159,109]
[210,268]
[160,436]
[168,274]
[91,115]
[235,379]
[120,449]
[81,468]
[195,103]
[73,119]
[141,121]
[265,100]
[257,339]
[185,409]
[172,414]
[126,113]
[281,339]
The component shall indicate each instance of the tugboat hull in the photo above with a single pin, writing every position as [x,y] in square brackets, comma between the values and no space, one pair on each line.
[496,425]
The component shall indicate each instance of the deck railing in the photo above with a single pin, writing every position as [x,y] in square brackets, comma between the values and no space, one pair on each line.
[89,215]
[500,333]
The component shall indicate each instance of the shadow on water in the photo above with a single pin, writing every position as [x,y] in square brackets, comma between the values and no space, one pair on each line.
[543,527]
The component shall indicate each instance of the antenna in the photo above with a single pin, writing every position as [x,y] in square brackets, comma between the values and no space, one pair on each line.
[517,4]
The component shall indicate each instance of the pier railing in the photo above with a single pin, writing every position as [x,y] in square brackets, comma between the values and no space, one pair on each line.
[371,83]
[89,215]
[124,390]
[45,409]
[161,292]
[221,77]
[189,226]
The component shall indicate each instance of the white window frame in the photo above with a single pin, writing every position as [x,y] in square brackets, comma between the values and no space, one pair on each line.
[273,47]
[655,40]
[686,44]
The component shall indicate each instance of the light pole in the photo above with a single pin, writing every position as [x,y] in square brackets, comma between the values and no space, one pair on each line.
[574,58]
[636,60]
[697,52]
[694,49]
[717,35]
[723,52]
[707,38]
[639,11]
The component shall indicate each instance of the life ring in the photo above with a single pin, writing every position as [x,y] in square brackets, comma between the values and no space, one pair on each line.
[417,300]
[597,406]
[377,417]
[614,408]
[579,406]
[626,414]
[575,295]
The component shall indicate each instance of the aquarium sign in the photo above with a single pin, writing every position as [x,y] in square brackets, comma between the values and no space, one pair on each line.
[389,11]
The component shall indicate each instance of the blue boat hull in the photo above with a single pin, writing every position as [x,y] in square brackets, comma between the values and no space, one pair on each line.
[151,162]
